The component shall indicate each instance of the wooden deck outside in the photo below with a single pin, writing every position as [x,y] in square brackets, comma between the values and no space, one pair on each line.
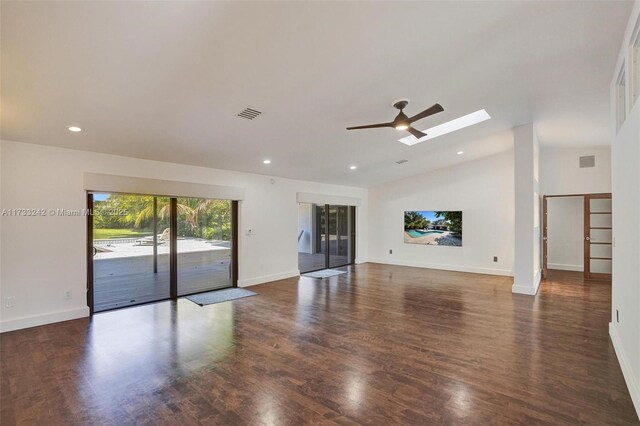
[130,281]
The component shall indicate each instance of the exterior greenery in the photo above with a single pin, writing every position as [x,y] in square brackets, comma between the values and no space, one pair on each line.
[414,220]
[453,220]
[109,233]
[197,217]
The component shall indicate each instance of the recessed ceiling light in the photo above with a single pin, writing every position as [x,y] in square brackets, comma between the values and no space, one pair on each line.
[353,167]
[460,152]
[267,161]
[74,129]
[448,127]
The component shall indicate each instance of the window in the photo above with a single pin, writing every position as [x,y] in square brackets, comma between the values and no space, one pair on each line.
[621,98]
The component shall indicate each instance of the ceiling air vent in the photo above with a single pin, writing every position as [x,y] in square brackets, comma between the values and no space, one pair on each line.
[587,161]
[401,161]
[250,113]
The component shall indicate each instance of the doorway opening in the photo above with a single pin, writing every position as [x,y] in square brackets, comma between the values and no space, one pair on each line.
[577,234]
[146,248]
[326,236]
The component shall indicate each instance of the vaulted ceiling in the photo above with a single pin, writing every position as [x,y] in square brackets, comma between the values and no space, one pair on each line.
[166,80]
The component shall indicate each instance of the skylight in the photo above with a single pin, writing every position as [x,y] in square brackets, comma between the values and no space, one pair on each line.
[448,127]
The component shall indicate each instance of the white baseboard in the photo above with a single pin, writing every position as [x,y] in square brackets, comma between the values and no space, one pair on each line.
[359,261]
[268,278]
[625,366]
[456,268]
[36,320]
[524,289]
[530,290]
[565,267]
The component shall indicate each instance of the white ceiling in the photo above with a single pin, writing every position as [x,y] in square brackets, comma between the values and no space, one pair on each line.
[165,80]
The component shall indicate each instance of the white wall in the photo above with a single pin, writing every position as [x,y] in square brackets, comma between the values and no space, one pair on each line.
[565,233]
[2,299]
[305,225]
[482,189]
[625,162]
[47,255]
[560,173]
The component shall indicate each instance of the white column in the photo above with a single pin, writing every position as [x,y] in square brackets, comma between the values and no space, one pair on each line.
[527,210]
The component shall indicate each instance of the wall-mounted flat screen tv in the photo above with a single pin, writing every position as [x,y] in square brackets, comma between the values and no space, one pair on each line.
[433,228]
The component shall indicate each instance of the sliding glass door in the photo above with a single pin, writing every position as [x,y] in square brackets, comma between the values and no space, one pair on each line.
[326,236]
[144,248]
[204,245]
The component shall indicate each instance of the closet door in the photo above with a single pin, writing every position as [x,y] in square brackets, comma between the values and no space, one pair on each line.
[597,237]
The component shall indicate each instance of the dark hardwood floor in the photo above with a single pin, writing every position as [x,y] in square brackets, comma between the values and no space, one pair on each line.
[380,345]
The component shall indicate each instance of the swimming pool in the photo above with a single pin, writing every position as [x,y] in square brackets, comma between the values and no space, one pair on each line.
[417,234]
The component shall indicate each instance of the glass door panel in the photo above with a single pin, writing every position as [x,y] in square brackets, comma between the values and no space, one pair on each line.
[599,205]
[130,250]
[600,235]
[601,251]
[600,220]
[311,252]
[340,235]
[204,245]
[322,241]
[600,266]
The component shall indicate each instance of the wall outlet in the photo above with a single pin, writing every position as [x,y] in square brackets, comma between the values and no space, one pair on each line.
[495,258]
[390,251]
[9,301]
[67,295]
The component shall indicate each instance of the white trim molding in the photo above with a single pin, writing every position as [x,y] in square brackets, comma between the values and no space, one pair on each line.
[36,320]
[625,366]
[565,267]
[267,278]
[442,267]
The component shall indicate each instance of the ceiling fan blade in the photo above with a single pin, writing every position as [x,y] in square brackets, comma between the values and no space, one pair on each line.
[436,108]
[371,126]
[415,132]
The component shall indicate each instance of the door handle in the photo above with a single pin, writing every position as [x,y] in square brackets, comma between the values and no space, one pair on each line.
[588,238]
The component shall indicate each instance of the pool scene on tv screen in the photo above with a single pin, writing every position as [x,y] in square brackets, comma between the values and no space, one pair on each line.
[433,228]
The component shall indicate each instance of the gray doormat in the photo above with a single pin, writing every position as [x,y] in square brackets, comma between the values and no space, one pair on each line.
[218,296]
[325,273]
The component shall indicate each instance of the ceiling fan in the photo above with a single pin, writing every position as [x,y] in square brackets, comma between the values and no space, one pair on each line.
[402,122]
